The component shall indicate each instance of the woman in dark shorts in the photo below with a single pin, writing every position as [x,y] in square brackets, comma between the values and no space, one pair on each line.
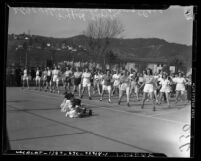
[173,86]
[68,74]
[49,77]
[77,76]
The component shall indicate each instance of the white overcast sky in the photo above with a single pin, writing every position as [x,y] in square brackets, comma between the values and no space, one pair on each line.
[171,24]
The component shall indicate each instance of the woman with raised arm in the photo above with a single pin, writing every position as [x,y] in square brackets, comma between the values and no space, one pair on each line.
[107,85]
[97,81]
[67,81]
[77,75]
[124,87]
[165,88]
[148,88]
[116,80]
[134,84]
[86,83]
[180,86]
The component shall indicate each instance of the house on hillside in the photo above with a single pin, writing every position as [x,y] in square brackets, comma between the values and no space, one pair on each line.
[63,46]
[139,64]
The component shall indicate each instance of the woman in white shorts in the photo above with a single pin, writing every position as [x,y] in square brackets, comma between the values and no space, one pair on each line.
[124,87]
[25,77]
[38,78]
[107,86]
[165,88]
[86,83]
[55,79]
[116,80]
[148,87]
[180,86]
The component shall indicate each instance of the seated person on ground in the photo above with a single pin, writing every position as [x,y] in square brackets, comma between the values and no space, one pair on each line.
[73,107]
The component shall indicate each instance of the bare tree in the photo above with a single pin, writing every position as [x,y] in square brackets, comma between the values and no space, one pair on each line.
[99,33]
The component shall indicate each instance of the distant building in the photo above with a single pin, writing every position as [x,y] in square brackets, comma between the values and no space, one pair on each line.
[137,64]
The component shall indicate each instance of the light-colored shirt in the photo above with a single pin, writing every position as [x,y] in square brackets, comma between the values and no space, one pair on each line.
[49,72]
[37,73]
[78,74]
[148,79]
[86,77]
[25,72]
[68,73]
[55,72]
[165,83]
[125,79]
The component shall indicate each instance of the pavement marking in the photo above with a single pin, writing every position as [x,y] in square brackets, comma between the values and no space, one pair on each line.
[151,116]
[48,136]
[86,131]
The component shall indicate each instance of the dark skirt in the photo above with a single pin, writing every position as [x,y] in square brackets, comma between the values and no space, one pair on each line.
[48,78]
[77,81]
[68,80]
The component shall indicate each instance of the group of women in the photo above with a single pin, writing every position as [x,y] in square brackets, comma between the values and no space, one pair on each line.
[157,87]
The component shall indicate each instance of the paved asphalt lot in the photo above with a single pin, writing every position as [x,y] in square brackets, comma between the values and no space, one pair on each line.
[34,122]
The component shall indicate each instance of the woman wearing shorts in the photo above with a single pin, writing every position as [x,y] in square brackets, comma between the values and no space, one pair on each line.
[156,87]
[165,88]
[67,81]
[44,78]
[116,80]
[92,77]
[25,77]
[97,81]
[180,86]
[86,83]
[107,85]
[49,79]
[124,87]
[77,80]
[148,88]
[55,79]
[38,78]
[134,84]
[140,82]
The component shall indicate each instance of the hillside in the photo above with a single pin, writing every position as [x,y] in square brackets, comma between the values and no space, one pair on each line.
[124,49]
